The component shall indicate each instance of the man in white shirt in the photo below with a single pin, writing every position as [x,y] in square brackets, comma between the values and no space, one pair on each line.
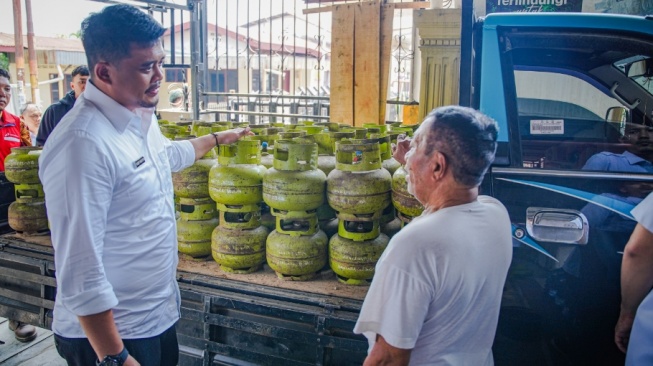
[634,330]
[437,288]
[106,173]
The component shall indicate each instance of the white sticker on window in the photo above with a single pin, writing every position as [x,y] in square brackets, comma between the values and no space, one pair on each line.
[547,127]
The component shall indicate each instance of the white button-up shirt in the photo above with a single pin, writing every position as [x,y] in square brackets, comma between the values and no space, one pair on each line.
[106,173]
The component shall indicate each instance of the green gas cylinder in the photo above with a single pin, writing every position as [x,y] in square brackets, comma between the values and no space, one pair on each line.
[310,130]
[289,135]
[22,165]
[194,237]
[183,128]
[197,219]
[237,179]
[404,202]
[391,165]
[354,261]
[294,183]
[239,250]
[239,216]
[406,130]
[390,125]
[211,128]
[191,209]
[258,128]
[28,215]
[230,125]
[296,257]
[358,185]
[328,126]
[193,182]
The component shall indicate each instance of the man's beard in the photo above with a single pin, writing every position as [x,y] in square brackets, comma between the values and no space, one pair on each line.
[145,104]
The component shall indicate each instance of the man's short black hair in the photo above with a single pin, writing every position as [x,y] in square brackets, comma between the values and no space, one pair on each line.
[81,70]
[109,34]
[467,138]
[5,73]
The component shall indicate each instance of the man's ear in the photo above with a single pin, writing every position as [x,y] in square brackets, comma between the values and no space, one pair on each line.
[102,72]
[438,165]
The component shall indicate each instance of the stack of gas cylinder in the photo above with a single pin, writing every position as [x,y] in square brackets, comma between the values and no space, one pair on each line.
[331,194]
[27,214]
[294,189]
[358,189]
[236,185]
[198,215]
[326,162]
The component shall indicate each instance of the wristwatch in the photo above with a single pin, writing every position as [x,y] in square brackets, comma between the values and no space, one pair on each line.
[114,360]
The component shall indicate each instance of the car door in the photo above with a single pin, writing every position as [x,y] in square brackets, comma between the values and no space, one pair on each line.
[575,158]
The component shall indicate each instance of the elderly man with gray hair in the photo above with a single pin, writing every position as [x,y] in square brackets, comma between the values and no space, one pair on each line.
[436,293]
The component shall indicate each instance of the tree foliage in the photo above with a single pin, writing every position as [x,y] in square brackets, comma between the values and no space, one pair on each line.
[4,61]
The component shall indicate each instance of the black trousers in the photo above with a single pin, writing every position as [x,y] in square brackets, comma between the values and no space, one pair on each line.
[162,350]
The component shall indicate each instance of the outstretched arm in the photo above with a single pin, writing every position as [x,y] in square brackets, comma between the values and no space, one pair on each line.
[636,281]
[204,144]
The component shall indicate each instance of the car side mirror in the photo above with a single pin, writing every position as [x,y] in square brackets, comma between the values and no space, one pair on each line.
[617,115]
[640,68]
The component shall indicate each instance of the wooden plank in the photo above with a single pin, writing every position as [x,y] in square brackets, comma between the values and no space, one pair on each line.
[387,15]
[42,239]
[342,71]
[325,283]
[366,66]
[31,277]
[26,298]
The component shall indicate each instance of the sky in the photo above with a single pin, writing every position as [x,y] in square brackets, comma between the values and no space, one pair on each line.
[55,18]
[50,17]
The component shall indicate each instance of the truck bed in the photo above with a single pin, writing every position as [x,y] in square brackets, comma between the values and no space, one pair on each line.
[226,319]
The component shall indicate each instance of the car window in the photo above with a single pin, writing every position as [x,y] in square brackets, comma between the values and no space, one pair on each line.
[562,121]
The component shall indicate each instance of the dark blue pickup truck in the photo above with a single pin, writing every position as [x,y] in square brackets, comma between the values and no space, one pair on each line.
[573,97]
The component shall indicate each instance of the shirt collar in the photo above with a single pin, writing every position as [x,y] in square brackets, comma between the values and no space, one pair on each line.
[634,159]
[119,116]
[7,117]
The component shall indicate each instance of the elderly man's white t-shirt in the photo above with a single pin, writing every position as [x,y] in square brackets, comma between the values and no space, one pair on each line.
[438,285]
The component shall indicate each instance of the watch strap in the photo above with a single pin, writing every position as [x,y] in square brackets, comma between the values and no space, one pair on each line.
[118,359]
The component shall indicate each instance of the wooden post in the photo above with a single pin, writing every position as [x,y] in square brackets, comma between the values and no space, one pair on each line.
[342,65]
[31,52]
[366,62]
[20,56]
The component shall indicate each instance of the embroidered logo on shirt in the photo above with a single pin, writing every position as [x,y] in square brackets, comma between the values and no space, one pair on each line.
[139,162]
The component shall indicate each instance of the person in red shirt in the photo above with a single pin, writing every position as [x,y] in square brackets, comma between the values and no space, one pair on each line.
[10,136]
[10,126]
